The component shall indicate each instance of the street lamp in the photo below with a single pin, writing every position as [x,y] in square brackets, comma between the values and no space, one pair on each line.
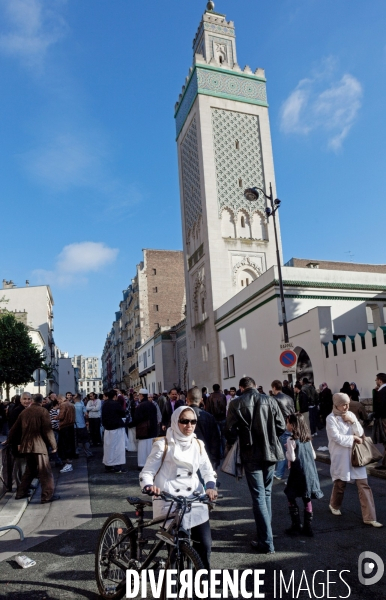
[252,194]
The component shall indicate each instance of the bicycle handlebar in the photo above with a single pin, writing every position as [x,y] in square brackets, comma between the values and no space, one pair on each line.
[204,498]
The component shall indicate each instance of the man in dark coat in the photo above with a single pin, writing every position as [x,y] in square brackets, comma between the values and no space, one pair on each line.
[114,440]
[287,407]
[34,430]
[287,389]
[170,406]
[206,428]
[20,463]
[257,421]
[216,405]
[380,413]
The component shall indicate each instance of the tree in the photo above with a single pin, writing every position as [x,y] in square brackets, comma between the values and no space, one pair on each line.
[19,357]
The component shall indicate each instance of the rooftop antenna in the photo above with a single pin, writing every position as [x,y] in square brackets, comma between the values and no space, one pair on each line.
[351,255]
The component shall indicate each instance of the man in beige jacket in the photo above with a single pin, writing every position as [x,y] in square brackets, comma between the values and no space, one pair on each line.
[33,430]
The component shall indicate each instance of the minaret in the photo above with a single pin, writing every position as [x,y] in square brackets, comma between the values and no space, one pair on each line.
[224,147]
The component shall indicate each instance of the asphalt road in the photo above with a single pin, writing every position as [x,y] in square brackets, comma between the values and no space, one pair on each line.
[65,564]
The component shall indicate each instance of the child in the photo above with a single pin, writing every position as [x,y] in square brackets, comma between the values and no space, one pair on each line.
[303,480]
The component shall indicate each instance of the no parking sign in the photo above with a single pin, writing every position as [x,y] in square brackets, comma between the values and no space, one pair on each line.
[288,360]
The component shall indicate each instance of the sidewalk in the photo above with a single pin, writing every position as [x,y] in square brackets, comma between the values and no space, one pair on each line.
[42,522]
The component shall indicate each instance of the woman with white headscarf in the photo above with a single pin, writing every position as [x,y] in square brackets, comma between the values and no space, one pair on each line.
[175,472]
[343,431]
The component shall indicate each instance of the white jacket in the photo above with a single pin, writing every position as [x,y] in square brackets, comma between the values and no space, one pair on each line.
[94,408]
[175,478]
[340,442]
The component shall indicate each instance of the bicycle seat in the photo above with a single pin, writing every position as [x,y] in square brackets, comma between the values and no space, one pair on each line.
[138,501]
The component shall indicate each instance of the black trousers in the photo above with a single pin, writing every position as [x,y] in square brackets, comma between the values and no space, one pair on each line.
[95,430]
[202,542]
[66,443]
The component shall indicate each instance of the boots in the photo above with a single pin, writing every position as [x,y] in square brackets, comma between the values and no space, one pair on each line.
[307,529]
[296,526]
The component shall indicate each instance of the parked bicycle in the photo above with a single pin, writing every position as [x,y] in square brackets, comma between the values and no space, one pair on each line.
[123,545]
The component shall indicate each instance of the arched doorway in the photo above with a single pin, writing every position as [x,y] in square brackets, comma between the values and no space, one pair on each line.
[304,365]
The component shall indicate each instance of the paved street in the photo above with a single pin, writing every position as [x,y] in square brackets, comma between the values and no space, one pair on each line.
[65,563]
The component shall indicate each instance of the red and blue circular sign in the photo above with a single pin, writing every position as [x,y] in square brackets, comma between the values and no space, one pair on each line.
[288,358]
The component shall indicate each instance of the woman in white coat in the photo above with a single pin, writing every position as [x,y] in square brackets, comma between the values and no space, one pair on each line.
[176,473]
[344,430]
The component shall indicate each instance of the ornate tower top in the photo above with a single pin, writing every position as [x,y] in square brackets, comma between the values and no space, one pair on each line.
[210,6]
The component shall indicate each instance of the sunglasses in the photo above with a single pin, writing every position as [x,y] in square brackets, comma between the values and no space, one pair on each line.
[187,421]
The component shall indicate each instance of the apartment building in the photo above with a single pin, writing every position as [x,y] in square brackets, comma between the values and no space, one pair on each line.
[155,298]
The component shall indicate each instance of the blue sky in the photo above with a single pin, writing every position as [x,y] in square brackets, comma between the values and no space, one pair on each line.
[88,171]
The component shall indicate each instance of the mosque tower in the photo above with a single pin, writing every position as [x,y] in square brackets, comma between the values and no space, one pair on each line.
[224,146]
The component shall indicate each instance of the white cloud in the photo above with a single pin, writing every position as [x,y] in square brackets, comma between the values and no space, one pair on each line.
[75,261]
[323,103]
[32,27]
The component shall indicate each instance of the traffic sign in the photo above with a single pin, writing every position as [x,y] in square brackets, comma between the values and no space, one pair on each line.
[288,358]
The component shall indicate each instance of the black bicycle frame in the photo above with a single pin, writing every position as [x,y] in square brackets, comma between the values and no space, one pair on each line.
[176,517]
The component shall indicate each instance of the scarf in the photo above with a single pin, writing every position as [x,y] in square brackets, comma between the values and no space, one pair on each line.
[181,444]
[339,400]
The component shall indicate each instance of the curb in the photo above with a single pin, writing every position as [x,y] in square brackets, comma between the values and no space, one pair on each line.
[13,509]
[373,471]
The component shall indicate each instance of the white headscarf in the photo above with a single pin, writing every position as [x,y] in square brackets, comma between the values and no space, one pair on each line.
[175,434]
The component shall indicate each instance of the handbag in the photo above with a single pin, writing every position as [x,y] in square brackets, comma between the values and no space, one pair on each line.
[232,462]
[143,429]
[365,453]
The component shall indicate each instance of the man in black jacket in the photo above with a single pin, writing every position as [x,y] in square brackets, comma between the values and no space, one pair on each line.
[206,428]
[216,405]
[287,407]
[380,411]
[257,421]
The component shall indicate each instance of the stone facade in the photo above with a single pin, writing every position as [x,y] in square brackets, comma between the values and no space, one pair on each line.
[224,147]
[155,298]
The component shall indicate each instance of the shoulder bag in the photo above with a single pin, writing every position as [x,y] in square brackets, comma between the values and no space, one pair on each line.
[365,453]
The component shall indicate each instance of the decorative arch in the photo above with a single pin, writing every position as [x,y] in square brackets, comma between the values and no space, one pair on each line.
[259,225]
[228,223]
[243,224]
[248,265]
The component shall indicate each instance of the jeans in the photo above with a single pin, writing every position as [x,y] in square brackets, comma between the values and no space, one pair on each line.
[314,414]
[260,486]
[282,464]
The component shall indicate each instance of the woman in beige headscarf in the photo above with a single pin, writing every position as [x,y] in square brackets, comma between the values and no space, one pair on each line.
[344,430]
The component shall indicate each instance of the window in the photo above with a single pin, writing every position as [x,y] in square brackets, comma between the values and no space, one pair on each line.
[148,352]
[225,368]
[231,364]
[154,271]
[363,342]
[335,350]
[247,281]
[203,305]
[344,346]
[155,290]
[156,325]
[353,348]
[326,350]
[240,183]
[242,283]
[156,307]
[237,145]
[243,222]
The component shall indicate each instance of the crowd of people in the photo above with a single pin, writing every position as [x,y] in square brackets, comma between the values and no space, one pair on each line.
[181,437]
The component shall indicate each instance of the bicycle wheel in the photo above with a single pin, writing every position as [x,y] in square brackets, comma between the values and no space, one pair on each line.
[187,559]
[114,545]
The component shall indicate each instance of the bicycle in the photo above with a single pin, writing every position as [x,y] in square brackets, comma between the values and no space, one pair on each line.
[121,545]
